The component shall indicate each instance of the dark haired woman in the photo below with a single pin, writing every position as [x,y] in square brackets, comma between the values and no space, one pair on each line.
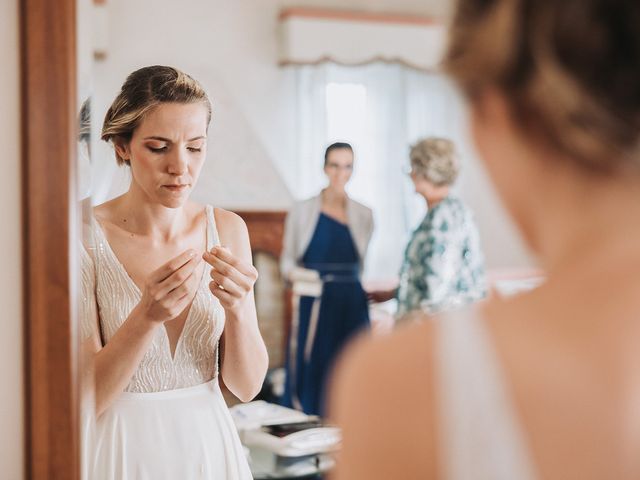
[328,234]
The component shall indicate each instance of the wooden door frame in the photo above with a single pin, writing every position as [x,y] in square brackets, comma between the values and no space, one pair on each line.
[48,130]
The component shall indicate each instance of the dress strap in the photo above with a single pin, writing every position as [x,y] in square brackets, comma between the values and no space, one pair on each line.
[481,435]
[213,239]
[212,232]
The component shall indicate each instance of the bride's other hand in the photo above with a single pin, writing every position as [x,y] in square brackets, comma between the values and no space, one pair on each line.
[232,279]
[170,288]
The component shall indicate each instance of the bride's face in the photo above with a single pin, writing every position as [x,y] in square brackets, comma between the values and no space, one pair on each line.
[167,151]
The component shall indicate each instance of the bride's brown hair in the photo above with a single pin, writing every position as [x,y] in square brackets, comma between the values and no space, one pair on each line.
[142,91]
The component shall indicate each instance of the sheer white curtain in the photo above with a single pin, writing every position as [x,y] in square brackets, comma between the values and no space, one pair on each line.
[381,109]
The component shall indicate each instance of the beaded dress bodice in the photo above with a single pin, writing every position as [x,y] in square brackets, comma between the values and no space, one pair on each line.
[195,360]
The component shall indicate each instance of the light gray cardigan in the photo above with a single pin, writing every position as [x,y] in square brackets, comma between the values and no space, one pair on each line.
[301,224]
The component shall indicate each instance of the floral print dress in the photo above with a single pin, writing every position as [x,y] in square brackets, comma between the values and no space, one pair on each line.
[443,265]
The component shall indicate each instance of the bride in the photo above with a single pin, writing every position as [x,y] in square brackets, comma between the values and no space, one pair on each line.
[167,297]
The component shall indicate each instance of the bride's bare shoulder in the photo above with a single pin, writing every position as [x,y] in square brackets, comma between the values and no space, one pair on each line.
[229,223]
[232,231]
[107,210]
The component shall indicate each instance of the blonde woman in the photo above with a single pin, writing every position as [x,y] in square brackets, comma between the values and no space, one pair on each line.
[167,307]
[443,266]
[546,384]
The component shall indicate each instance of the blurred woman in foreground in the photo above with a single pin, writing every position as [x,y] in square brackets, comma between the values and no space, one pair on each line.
[544,385]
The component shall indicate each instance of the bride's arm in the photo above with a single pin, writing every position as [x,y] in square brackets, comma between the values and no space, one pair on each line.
[116,362]
[244,358]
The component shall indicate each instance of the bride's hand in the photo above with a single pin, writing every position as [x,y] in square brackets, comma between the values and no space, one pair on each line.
[232,278]
[170,289]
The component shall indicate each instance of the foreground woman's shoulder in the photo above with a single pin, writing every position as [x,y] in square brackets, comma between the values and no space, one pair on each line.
[404,353]
[382,397]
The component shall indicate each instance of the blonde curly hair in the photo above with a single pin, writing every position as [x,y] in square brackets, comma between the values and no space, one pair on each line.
[570,70]
[436,160]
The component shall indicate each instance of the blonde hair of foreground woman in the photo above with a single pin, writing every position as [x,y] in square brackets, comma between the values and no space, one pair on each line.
[554,91]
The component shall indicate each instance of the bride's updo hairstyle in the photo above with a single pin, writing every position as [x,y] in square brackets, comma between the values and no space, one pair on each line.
[144,90]
[570,70]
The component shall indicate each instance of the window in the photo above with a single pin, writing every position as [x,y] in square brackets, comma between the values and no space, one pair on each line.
[346,105]
[346,117]
[380,109]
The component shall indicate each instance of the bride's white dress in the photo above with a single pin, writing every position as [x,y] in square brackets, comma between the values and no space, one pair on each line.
[171,422]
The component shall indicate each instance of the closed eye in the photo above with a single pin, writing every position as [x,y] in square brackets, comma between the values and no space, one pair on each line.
[158,150]
[194,149]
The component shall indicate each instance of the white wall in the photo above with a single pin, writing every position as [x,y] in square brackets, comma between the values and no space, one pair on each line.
[11,382]
[232,48]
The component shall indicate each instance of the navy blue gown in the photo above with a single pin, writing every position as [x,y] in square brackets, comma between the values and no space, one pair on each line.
[343,311]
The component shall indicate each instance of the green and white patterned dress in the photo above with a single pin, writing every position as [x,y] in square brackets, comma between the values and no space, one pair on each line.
[443,265]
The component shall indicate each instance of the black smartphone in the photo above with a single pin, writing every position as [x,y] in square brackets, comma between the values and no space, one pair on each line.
[284,429]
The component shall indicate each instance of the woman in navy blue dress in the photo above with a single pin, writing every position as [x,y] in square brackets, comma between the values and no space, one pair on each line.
[328,234]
